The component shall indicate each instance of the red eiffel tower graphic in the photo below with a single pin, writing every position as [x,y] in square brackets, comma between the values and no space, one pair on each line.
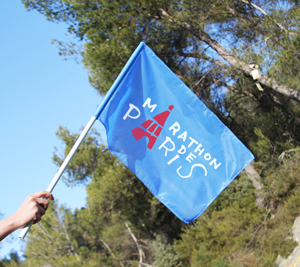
[153,128]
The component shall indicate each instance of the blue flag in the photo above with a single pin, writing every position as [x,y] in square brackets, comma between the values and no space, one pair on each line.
[168,138]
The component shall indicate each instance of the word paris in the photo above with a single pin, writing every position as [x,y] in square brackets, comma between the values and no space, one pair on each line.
[186,149]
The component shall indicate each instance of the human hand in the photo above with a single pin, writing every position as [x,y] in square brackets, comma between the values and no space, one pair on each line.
[32,209]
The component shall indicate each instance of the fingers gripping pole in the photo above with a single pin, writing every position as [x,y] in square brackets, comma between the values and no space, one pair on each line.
[62,168]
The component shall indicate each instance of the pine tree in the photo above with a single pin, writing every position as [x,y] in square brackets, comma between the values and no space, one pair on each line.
[240,58]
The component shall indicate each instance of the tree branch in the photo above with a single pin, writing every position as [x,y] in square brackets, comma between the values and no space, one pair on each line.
[137,244]
[283,154]
[70,246]
[266,14]
[235,61]
[258,228]
[231,88]
[255,179]
[110,251]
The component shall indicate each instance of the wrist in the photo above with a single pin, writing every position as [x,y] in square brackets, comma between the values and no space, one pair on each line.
[12,222]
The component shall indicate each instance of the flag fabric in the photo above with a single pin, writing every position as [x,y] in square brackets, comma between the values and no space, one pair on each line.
[168,138]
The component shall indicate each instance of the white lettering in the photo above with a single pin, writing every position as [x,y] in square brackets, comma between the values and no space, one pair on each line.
[175,127]
[190,157]
[193,141]
[173,159]
[198,149]
[214,161]
[207,156]
[189,175]
[183,136]
[132,107]
[168,139]
[182,150]
[148,103]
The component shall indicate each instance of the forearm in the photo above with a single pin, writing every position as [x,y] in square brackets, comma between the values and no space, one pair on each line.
[8,226]
[32,209]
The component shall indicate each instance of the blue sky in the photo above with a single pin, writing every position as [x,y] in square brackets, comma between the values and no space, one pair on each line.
[39,92]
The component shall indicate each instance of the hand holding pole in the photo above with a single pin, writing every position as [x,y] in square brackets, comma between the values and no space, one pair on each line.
[62,168]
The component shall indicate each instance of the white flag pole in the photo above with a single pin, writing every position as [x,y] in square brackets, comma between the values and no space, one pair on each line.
[63,167]
[105,100]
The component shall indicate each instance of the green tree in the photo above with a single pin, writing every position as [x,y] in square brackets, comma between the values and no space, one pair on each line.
[240,58]
[214,34]
[12,261]
[120,220]
[210,45]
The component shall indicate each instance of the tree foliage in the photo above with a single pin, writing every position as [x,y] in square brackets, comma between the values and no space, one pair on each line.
[241,59]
